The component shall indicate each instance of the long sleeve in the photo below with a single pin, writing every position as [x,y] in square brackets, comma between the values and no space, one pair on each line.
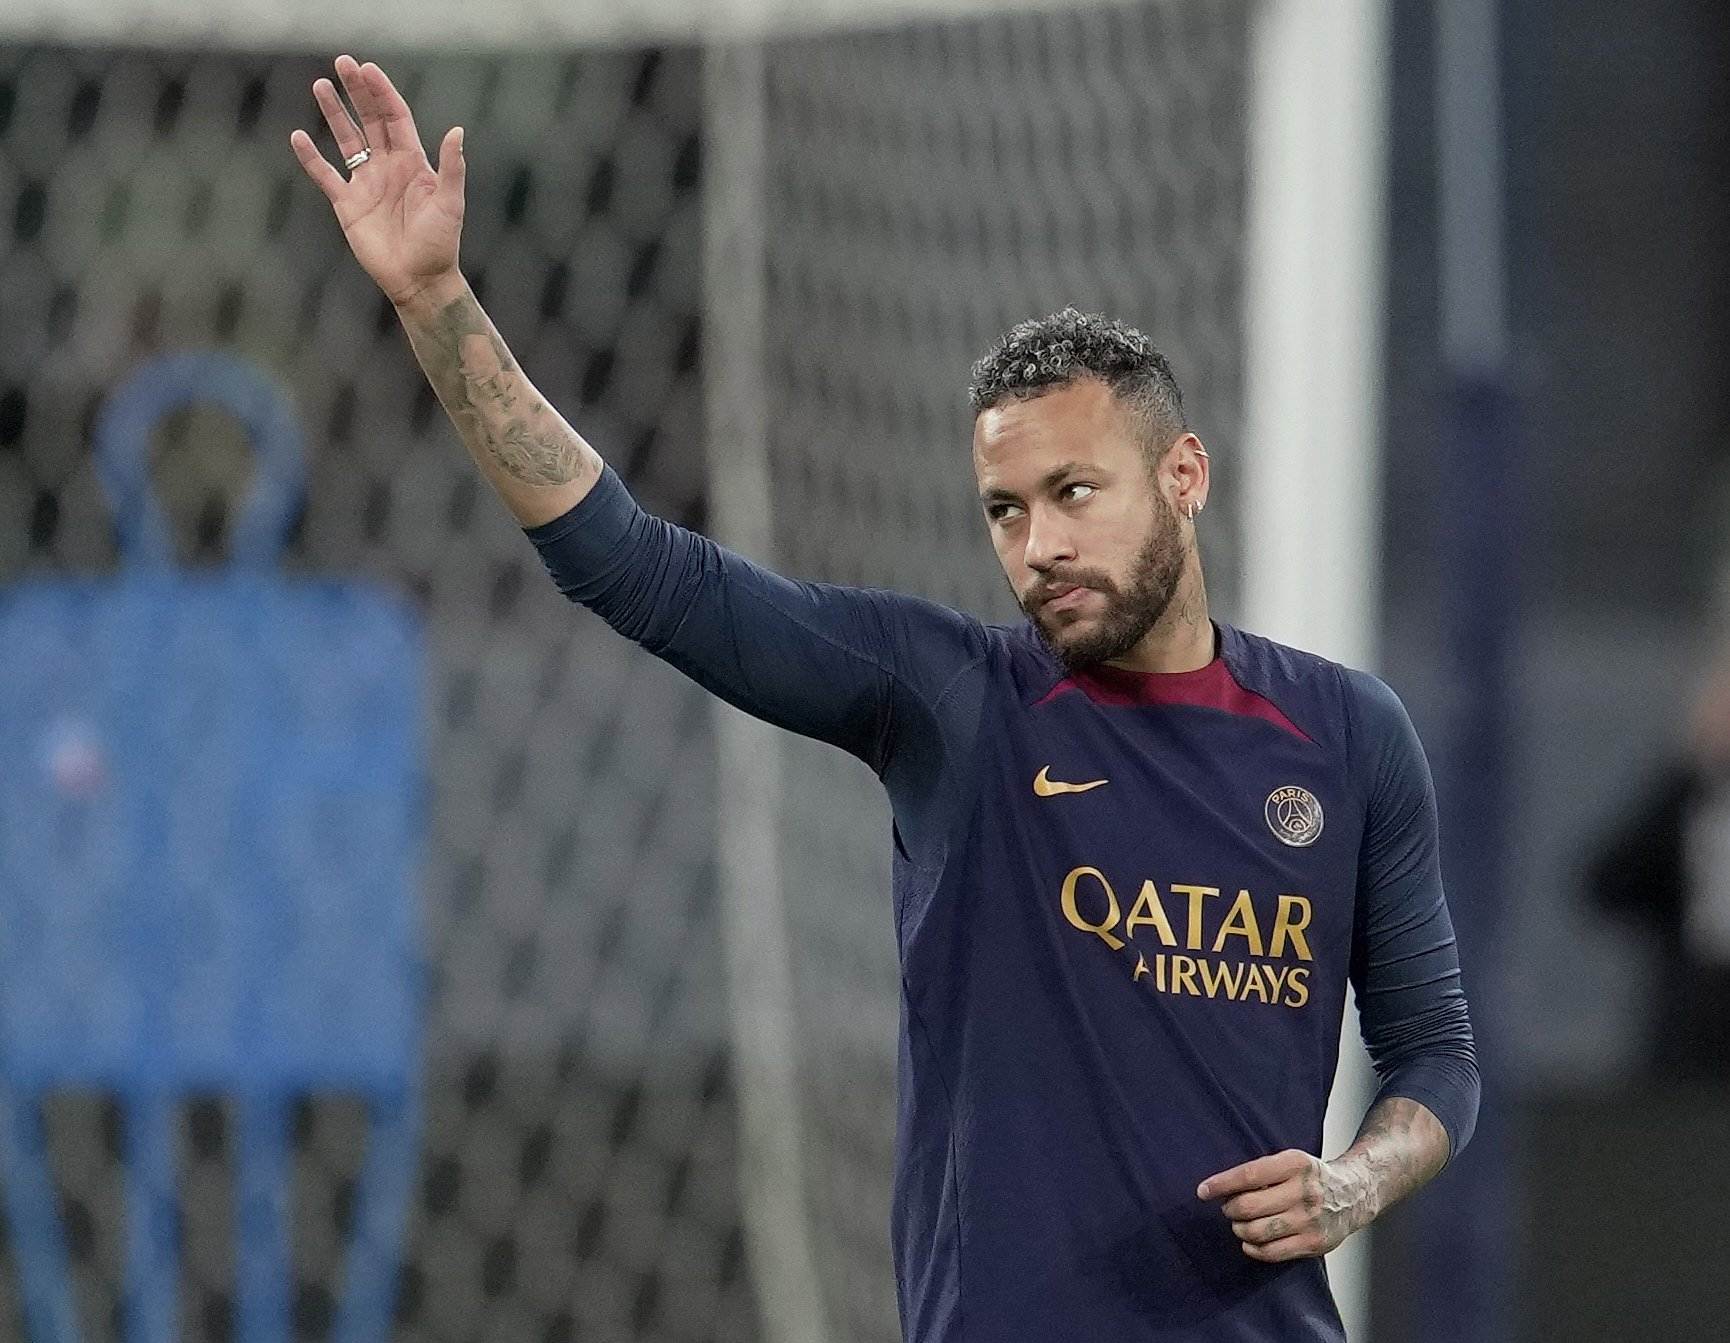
[1405,964]
[860,668]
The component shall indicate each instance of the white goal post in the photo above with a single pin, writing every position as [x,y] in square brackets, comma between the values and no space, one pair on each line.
[1313,389]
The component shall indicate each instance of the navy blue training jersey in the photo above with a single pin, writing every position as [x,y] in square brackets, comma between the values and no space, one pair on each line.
[1127,907]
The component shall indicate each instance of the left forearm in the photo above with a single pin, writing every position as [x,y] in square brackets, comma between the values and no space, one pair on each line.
[1400,1147]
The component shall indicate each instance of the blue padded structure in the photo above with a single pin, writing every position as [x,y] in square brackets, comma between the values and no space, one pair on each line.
[211,820]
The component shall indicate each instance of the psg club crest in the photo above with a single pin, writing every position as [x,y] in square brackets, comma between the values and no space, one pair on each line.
[1294,816]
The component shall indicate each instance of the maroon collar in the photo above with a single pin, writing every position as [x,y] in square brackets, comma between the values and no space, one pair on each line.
[1209,687]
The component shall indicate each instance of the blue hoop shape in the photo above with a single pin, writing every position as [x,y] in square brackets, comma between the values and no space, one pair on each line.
[123,438]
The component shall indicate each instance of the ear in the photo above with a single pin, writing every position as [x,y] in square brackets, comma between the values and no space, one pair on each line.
[1184,475]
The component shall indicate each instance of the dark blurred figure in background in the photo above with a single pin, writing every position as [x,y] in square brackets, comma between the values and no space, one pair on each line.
[1666,864]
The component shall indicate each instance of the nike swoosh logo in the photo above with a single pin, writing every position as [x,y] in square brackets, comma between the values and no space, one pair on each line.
[1045,786]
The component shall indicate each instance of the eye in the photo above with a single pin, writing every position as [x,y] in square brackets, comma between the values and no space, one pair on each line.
[1001,512]
[1067,496]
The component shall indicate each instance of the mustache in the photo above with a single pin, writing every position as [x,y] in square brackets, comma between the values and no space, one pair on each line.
[1053,584]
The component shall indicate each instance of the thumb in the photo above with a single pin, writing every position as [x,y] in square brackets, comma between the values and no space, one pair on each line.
[453,168]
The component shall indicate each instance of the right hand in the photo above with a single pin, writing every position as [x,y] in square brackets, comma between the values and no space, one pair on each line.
[403,220]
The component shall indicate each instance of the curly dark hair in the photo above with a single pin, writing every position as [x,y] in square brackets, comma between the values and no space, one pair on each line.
[1048,352]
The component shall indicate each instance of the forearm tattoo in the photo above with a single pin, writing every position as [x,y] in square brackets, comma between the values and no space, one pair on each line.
[1400,1147]
[492,404]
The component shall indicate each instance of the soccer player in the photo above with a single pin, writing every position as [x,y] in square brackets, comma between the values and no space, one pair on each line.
[1138,854]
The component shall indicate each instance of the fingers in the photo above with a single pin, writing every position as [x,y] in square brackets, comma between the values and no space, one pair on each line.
[365,100]
[1292,1234]
[1257,1174]
[392,108]
[453,167]
[385,121]
[1266,1230]
[327,178]
[349,140]
[1287,1247]
[1282,1197]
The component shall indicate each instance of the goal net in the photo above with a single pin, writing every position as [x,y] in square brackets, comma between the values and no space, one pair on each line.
[926,188]
[922,183]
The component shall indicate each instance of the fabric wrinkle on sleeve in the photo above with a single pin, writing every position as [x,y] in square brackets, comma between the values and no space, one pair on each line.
[1405,962]
[842,664]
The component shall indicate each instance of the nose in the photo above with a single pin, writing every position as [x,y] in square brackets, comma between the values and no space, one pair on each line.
[1049,542]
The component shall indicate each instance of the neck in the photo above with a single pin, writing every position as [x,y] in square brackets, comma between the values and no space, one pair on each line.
[1181,639]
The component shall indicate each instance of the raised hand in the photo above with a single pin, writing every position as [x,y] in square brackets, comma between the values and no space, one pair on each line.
[402,218]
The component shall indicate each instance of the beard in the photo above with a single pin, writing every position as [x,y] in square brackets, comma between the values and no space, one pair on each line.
[1130,610]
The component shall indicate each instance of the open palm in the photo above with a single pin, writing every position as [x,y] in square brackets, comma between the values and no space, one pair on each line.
[402,218]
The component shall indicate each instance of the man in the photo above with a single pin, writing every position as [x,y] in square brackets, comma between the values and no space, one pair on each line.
[1137,854]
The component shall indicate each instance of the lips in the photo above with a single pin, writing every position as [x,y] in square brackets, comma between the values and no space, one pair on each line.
[1065,595]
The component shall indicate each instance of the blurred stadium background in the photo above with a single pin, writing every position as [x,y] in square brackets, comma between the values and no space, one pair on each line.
[1445,285]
